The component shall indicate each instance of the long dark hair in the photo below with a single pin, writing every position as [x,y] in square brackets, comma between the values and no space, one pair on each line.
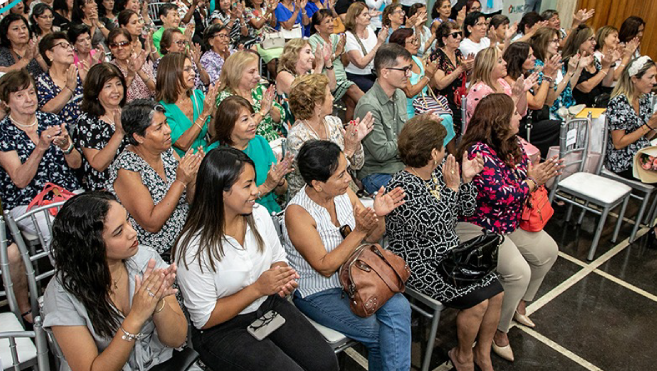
[38,11]
[490,125]
[79,252]
[206,219]
[515,56]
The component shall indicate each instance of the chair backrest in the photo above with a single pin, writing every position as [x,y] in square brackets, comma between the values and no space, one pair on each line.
[38,262]
[603,151]
[8,287]
[574,138]
[154,12]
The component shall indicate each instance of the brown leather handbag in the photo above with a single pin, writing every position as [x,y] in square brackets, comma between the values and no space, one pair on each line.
[371,276]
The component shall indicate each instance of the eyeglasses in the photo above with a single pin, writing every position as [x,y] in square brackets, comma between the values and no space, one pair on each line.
[63,44]
[414,41]
[456,34]
[475,9]
[120,44]
[398,11]
[46,17]
[221,35]
[406,69]
[555,41]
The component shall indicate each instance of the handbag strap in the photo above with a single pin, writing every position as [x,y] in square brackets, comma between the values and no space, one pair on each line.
[378,253]
[362,47]
[38,199]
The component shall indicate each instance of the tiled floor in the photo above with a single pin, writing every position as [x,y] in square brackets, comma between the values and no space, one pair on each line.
[599,315]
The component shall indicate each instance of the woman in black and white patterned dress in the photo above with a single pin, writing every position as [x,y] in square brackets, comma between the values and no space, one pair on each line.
[150,180]
[631,120]
[422,230]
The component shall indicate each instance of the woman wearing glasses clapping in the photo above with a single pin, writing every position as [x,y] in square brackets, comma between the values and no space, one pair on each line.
[138,72]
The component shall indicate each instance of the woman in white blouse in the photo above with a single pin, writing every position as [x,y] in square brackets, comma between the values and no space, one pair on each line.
[362,44]
[233,271]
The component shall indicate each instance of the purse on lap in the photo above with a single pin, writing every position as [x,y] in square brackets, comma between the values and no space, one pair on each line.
[371,276]
[471,260]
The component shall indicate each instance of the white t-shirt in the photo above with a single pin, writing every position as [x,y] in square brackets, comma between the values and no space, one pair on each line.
[470,47]
[352,44]
[377,5]
[240,267]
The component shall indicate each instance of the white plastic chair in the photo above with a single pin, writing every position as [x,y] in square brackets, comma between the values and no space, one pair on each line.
[17,349]
[582,188]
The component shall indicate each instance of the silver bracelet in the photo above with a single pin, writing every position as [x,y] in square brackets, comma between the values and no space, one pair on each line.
[130,337]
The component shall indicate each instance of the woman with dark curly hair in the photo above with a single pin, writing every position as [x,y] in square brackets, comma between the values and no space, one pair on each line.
[503,186]
[111,305]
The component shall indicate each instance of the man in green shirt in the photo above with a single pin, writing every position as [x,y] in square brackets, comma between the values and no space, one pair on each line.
[170,18]
[387,102]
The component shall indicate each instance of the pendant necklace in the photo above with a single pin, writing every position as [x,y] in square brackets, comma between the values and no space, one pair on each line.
[435,190]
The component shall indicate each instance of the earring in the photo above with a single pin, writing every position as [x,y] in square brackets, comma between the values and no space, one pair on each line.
[319,189]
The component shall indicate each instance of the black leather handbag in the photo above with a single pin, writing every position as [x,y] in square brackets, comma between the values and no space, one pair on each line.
[179,361]
[471,260]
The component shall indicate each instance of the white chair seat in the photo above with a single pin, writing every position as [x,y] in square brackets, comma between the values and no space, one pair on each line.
[332,337]
[637,184]
[24,346]
[596,187]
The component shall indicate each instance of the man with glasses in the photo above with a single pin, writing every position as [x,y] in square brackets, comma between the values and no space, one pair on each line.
[387,103]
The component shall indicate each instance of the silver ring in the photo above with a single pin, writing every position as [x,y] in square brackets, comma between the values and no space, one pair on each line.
[151,294]
[48,136]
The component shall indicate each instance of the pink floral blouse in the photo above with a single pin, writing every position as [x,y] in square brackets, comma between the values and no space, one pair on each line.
[138,89]
[501,191]
[477,92]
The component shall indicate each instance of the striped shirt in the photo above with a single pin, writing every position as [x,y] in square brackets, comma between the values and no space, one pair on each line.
[311,281]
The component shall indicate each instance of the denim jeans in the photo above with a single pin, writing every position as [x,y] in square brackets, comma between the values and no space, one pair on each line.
[386,334]
[373,182]
[295,346]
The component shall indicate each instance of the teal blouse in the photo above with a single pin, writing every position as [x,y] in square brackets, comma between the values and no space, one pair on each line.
[179,123]
[263,157]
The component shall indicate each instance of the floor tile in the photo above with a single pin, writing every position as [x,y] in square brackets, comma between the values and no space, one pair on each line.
[604,323]
[560,272]
[636,265]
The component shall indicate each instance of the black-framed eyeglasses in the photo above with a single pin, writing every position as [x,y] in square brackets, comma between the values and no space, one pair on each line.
[456,34]
[181,42]
[345,230]
[221,35]
[406,69]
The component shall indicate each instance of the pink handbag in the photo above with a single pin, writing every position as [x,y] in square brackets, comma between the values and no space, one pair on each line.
[58,194]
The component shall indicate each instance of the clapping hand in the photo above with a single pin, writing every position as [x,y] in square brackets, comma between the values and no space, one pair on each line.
[511,31]
[573,63]
[582,16]
[358,129]
[430,68]
[631,47]
[546,170]
[470,168]
[385,202]
[383,35]
[210,101]
[366,219]
[451,173]
[278,172]
[267,100]
[274,280]
[72,78]
[188,166]
[468,62]
[553,66]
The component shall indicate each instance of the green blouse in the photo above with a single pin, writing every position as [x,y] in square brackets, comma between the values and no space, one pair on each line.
[267,128]
[179,123]
[263,157]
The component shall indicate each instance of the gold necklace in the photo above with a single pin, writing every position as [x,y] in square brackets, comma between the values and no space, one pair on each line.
[116,282]
[435,190]
[315,131]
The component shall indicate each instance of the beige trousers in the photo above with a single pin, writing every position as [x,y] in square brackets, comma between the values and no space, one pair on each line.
[523,261]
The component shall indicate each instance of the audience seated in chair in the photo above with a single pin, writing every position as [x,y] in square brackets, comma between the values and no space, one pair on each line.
[111,304]
[317,247]
[233,270]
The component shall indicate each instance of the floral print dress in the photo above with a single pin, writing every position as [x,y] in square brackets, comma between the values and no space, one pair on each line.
[95,133]
[622,116]
[445,64]
[267,128]
[502,191]
[138,89]
[48,90]
[163,240]
[52,168]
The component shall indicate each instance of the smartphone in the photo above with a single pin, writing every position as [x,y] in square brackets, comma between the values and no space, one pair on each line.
[265,325]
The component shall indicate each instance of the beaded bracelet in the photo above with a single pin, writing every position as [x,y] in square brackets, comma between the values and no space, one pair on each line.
[130,337]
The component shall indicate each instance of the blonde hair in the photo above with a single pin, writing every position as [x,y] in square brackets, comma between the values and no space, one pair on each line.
[483,66]
[625,85]
[602,34]
[354,11]
[306,93]
[231,72]
[290,56]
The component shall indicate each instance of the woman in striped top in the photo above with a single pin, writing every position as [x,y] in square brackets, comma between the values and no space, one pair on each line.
[325,222]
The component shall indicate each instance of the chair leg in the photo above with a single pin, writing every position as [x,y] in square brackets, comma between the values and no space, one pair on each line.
[639,216]
[598,232]
[581,216]
[569,212]
[651,214]
[620,219]
[430,342]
